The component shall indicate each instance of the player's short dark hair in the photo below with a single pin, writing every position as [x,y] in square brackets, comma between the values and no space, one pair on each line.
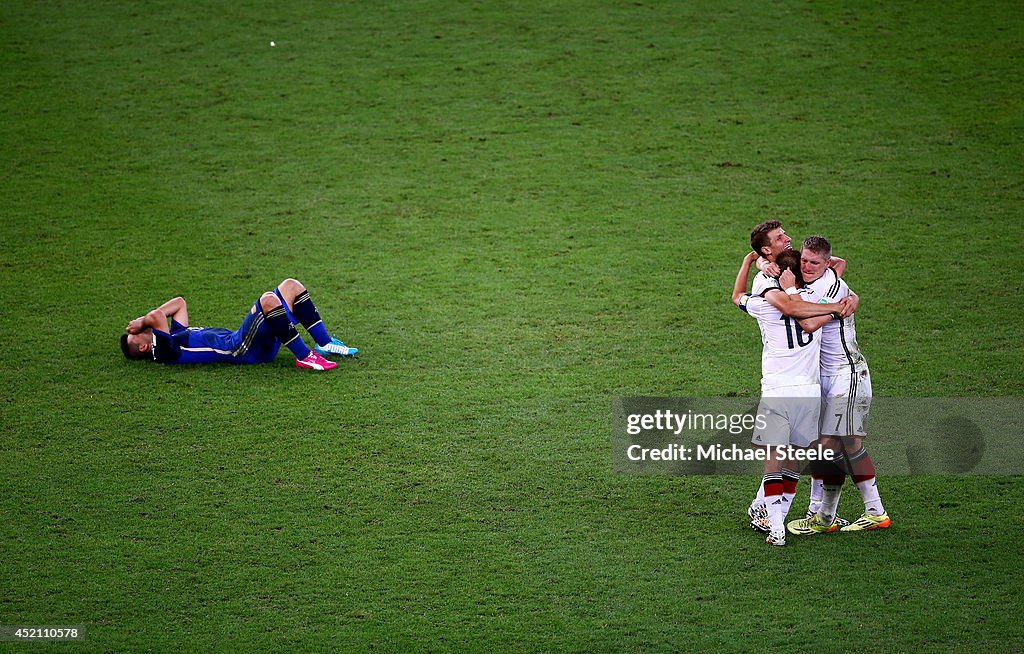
[759,237]
[790,259]
[128,351]
[818,245]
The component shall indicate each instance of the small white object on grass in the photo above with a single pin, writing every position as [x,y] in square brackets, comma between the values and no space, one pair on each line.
[272,44]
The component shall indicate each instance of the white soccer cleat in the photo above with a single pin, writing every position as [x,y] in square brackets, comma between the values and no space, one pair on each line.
[759,518]
[777,538]
[337,348]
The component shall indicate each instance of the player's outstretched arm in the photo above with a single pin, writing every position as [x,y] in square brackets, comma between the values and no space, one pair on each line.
[739,288]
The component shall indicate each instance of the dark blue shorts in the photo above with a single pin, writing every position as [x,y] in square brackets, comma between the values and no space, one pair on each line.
[252,340]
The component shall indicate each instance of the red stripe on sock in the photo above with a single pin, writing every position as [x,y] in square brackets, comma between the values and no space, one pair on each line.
[773,487]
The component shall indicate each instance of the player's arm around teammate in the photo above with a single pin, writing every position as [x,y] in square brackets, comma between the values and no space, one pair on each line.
[771,268]
[787,303]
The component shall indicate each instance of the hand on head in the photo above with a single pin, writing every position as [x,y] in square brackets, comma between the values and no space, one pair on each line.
[135,326]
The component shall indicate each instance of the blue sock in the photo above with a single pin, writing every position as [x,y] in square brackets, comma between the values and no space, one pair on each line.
[284,331]
[306,313]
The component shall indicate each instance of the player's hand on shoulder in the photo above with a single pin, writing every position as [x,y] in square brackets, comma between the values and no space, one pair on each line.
[787,279]
[838,265]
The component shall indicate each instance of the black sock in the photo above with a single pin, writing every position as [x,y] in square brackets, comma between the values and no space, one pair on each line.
[305,311]
[284,331]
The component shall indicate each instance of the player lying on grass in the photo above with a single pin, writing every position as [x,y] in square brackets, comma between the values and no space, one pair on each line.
[164,335]
[790,392]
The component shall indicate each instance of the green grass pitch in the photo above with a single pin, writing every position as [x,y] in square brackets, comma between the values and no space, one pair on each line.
[518,211]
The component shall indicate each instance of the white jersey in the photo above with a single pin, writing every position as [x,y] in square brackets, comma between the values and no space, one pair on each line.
[790,356]
[762,283]
[839,351]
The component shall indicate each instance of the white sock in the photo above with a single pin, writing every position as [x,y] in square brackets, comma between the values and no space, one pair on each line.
[815,504]
[776,515]
[759,498]
[829,503]
[869,493]
[787,504]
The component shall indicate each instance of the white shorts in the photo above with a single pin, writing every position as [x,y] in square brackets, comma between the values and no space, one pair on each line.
[845,404]
[788,416]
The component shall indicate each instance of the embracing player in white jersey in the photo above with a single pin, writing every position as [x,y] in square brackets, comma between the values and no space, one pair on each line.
[769,240]
[846,401]
[790,390]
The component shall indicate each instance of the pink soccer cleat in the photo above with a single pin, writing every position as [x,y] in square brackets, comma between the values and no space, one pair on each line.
[315,362]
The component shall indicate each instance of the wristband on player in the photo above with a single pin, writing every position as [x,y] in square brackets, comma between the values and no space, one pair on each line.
[792,291]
